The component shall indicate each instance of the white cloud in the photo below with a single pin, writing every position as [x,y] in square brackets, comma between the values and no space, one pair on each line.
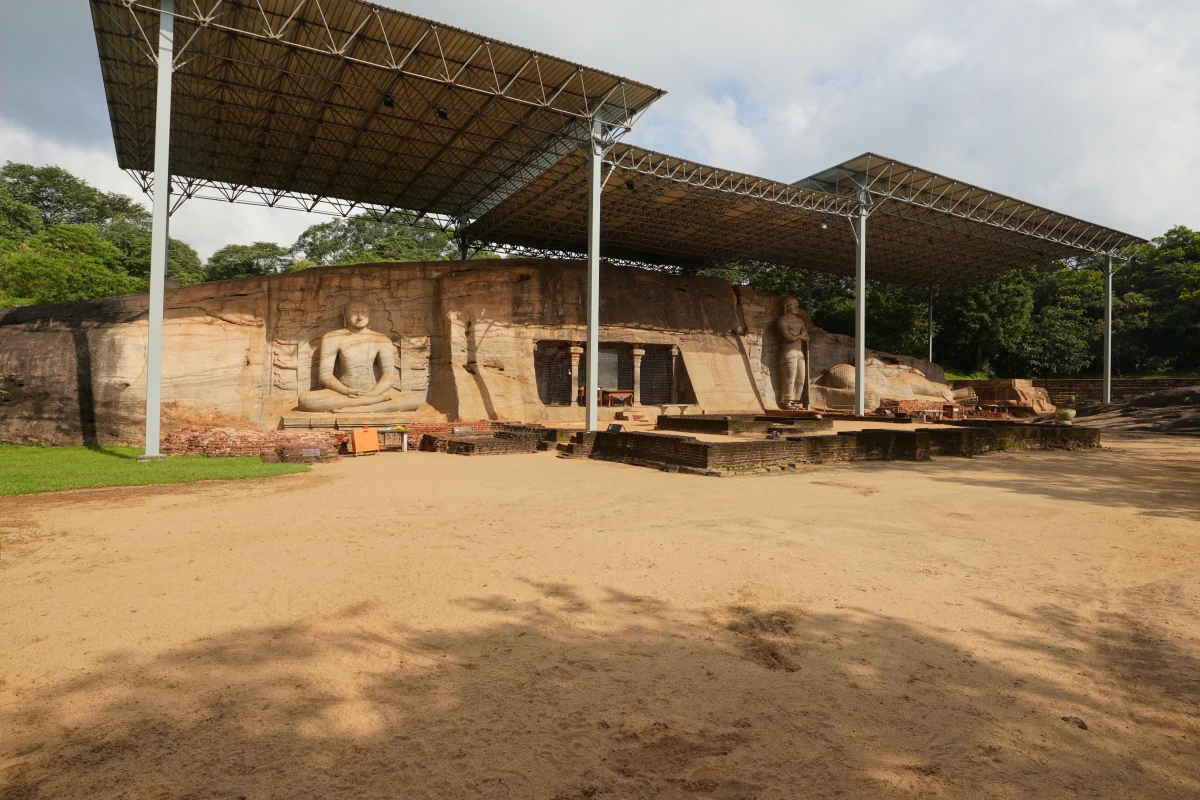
[204,224]
[95,164]
[928,54]
[716,133]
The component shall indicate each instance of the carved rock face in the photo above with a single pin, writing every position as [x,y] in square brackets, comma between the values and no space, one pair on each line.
[357,317]
[840,376]
[240,353]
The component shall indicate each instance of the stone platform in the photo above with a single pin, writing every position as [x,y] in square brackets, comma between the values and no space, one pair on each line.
[343,422]
[505,439]
[687,454]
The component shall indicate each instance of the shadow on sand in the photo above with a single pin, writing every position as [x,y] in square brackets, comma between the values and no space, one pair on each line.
[1115,476]
[547,702]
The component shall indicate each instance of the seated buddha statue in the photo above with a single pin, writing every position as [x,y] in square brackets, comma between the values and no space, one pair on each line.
[346,373]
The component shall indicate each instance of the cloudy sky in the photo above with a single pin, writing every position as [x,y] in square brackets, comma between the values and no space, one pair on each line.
[1090,107]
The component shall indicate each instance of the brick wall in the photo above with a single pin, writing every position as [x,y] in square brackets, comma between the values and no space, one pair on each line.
[1092,389]
[951,440]
[286,445]
[738,423]
[270,445]
[418,430]
[503,438]
[645,448]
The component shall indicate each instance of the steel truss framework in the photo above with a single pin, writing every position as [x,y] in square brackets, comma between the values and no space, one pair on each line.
[184,189]
[925,229]
[341,106]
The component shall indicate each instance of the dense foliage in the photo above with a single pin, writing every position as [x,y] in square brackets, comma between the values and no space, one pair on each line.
[1040,321]
[247,261]
[39,267]
[34,198]
[62,240]
[361,240]
[61,264]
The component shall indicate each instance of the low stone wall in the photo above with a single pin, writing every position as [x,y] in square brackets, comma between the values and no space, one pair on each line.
[973,439]
[687,454]
[739,423]
[505,438]
[272,446]
[417,431]
[1088,390]
[478,445]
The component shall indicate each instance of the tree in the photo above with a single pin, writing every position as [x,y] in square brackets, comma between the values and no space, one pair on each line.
[247,261]
[133,239]
[18,220]
[362,240]
[62,198]
[1165,276]
[183,263]
[32,197]
[63,264]
[1059,343]
[985,324]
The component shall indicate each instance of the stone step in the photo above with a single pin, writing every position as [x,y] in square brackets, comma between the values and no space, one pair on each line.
[580,445]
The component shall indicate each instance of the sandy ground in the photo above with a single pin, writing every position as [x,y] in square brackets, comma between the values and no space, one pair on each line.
[421,625]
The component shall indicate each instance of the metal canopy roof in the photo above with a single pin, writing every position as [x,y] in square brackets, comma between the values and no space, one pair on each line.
[658,209]
[340,105]
[303,102]
[923,216]
[924,228]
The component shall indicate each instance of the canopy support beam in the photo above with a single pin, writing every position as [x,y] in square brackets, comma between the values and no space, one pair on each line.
[1108,293]
[161,212]
[595,185]
[860,313]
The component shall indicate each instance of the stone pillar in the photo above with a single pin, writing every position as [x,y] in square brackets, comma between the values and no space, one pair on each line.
[638,352]
[674,373]
[576,351]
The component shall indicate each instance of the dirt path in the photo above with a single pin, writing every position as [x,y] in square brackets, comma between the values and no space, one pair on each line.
[421,625]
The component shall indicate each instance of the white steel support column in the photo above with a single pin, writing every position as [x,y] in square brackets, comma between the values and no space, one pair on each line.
[592,379]
[1108,291]
[158,235]
[464,246]
[860,315]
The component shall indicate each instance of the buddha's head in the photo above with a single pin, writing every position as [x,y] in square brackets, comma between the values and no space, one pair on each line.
[791,306]
[358,316]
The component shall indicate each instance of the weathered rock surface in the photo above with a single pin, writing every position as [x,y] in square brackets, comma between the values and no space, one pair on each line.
[238,354]
[1009,391]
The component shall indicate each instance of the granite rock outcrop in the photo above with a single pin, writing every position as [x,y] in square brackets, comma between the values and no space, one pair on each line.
[489,340]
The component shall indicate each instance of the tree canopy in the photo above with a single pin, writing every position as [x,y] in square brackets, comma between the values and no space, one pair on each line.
[362,240]
[62,264]
[18,220]
[63,199]
[247,261]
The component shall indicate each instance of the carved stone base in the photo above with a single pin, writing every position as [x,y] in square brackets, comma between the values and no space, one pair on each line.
[304,419]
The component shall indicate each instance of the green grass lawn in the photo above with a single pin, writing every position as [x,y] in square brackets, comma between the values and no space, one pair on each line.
[24,470]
